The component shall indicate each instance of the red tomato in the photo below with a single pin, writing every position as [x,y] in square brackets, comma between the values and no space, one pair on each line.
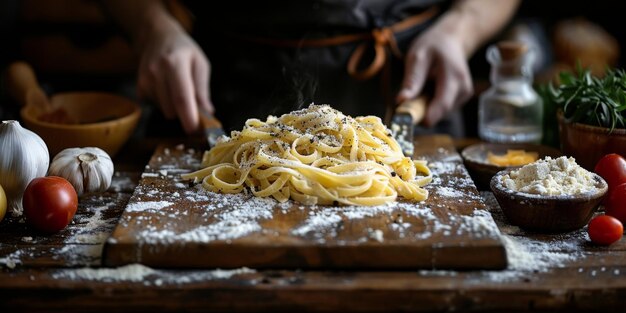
[49,203]
[612,167]
[615,203]
[605,230]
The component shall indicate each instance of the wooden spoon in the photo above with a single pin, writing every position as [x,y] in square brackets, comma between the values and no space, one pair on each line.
[25,88]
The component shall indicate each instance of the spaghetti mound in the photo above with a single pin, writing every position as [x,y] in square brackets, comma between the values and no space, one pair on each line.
[316,155]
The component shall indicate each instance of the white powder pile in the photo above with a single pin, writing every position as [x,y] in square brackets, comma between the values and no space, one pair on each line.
[327,221]
[11,260]
[84,245]
[318,222]
[96,230]
[147,276]
[376,234]
[553,177]
[147,206]
[450,181]
[232,216]
[527,255]
[449,192]
[480,223]
[439,167]
[132,273]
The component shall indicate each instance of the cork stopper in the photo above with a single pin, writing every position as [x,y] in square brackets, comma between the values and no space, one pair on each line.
[511,50]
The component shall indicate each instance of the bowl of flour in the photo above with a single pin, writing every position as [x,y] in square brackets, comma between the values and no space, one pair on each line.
[549,195]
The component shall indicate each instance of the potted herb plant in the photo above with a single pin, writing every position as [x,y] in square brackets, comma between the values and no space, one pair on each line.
[591,114]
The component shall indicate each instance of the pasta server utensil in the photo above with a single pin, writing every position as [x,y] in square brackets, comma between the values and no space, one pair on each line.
[407,115]
[211,126]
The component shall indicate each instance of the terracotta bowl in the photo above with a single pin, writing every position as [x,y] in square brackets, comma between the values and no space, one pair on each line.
[475,159]
[103,120]
[547,213]
[590,143]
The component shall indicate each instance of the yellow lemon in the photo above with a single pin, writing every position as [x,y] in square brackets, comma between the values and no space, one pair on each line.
[3,203]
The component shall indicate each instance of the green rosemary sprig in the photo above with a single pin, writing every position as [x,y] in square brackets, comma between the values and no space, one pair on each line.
[591,100]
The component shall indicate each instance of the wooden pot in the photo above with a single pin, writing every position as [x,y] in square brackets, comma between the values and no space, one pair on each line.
[589,143]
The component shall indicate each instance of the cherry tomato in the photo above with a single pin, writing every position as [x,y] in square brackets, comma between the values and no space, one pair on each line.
[605,230]
[612,167]
[615,203]
[49,203]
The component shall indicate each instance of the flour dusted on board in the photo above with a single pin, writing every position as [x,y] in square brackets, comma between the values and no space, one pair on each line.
[551,177]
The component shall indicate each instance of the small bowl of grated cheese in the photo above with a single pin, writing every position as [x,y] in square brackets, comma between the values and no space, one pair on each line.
[549,195]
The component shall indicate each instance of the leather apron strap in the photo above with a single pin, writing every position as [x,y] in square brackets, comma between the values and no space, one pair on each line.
[383,39]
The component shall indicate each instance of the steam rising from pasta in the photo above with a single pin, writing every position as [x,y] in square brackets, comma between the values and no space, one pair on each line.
[316,155]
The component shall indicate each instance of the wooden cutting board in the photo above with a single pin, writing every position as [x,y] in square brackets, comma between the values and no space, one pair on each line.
[169,223]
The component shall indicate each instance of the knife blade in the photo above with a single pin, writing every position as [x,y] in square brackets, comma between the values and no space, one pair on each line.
[212,127]
[406,116]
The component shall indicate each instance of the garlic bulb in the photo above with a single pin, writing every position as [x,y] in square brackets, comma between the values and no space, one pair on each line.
[87,169]
[23,157]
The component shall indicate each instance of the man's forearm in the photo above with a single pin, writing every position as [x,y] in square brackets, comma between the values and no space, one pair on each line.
[475,21]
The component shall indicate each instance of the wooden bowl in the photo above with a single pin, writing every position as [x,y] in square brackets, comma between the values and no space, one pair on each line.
[547,213]
[72,119]
[588,144]
[103,120]
[475,159]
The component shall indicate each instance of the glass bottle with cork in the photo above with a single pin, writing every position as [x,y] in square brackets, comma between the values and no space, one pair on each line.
[511,110]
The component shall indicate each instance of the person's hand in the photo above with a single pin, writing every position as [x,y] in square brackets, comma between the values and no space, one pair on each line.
[175,72]
[439,54]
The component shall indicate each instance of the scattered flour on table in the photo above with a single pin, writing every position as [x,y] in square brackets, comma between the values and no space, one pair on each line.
[147,276]
[233,216]
[12,259]
[317,221]
[84,245]
[83,239]
[147,206]
[451,181]
[449,192]
[376,234]
[526,255]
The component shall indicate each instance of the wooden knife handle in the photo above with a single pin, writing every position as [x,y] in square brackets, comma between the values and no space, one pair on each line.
[416,108]
[208,120]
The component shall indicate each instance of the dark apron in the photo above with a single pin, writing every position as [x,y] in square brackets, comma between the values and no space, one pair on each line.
[253,75]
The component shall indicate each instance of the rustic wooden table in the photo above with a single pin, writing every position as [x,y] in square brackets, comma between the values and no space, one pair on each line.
[63,272]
